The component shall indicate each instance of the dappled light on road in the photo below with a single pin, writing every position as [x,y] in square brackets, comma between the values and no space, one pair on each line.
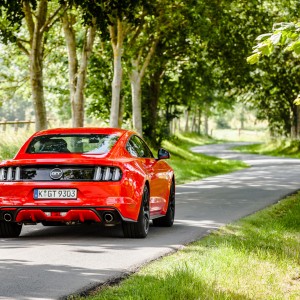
[201,224]
[75,258]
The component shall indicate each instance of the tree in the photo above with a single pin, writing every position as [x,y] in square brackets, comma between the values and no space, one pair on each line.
[120,15]
[163,17]
[39,17]
[116,17]
[171,32]
[78,68]
[237,24]
[284,36]
[117,33]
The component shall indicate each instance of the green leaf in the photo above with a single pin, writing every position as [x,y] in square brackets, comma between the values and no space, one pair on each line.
[297,100]
[284,37]
[290,26]
[275,38]
[295,46]
[266,49]
[253,59]
[263,37]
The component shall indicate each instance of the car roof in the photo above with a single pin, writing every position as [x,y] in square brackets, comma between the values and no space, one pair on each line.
[83,130]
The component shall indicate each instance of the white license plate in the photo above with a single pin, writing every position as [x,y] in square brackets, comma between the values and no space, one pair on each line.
[55,194]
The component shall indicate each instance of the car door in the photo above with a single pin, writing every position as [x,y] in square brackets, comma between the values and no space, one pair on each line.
[158,184]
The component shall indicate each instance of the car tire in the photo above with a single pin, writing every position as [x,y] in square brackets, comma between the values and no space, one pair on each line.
[10,229]
[140,228]
[168,219]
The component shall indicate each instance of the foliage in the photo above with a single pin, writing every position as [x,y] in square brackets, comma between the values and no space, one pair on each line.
[198,66]
[275,79]
[284,34]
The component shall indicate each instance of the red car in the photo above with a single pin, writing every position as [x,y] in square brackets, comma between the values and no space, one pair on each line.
[84,175]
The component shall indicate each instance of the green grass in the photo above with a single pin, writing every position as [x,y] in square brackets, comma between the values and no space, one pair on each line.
[10,142]
[189,166]
[283,148]
[257,257]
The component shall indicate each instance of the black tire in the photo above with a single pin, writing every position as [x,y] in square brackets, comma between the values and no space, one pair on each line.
[10,229]
[168,219]
[140,228]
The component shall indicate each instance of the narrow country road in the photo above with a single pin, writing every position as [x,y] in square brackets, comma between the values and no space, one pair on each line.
[53,262]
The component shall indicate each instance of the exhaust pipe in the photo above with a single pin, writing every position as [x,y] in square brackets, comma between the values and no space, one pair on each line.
[108,217]
[7,217]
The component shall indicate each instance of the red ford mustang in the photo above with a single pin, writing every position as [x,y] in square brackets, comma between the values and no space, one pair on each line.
[83,175]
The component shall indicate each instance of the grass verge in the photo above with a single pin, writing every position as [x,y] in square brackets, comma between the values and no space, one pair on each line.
[257,257]
[283,148]
[189,166]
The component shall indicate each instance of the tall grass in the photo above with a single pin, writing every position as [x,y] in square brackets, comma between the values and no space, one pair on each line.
[11,141]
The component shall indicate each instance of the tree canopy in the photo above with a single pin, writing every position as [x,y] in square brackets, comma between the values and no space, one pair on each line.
[143,64]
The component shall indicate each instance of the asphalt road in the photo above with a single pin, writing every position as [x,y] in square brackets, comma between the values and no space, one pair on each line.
[53,262]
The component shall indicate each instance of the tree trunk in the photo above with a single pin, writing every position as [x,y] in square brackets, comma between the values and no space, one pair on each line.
[36,60]
[206,123]
[117,38]
[154,91]
[194,121]
[135,81]
[297,121]
[37,87]
[78,119]
[70,38]
[38,22]
[242,119]
[187,115]
[136,76]
[199,120]
[77,73]
[121,112]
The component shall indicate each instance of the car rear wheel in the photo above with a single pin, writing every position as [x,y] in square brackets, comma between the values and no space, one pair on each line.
[168,219]
[140,228]
[10,229]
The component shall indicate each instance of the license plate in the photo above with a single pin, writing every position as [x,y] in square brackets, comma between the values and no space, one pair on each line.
[55,194]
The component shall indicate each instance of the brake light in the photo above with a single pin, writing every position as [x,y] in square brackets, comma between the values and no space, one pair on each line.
[10,174]
[107,174]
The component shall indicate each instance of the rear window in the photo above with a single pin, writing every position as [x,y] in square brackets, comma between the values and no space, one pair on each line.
[72,143]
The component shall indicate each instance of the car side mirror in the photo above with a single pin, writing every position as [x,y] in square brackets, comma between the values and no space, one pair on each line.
[163,154]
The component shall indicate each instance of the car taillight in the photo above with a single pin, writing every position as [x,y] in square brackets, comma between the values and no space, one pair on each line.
[10,174]
[107,174]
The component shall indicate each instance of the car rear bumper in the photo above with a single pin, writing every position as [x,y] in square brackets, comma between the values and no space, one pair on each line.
[67,215]
[92,199]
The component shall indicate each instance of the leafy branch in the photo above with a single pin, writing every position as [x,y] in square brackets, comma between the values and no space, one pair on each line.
[284,34]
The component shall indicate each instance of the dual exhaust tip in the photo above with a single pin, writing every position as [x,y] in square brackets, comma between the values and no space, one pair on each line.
[108,217]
